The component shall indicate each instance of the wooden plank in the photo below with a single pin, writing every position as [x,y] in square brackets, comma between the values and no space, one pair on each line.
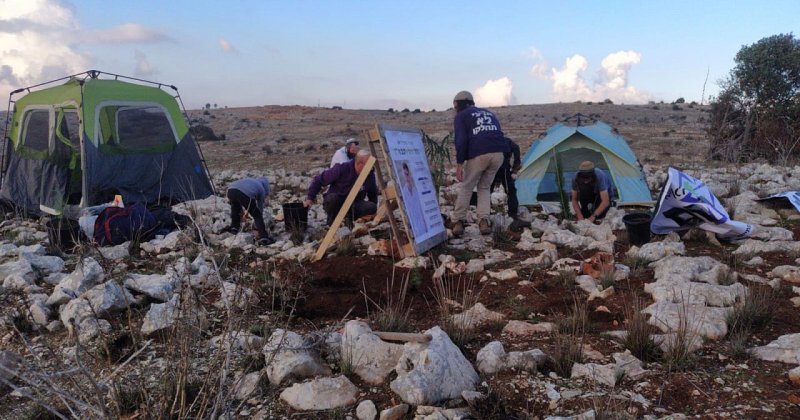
[376,139]
[402,236]
[326,242]
[396,336]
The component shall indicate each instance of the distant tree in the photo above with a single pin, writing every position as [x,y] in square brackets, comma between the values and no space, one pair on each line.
[405,110]
[608,101]
[390,110]
[757,112]
[680,100]
[215,106]
[208,106]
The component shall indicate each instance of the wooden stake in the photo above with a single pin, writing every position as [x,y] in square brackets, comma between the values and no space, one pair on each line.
[326,242]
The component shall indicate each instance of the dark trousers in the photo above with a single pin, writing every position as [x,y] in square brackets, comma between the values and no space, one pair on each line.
[503,177]
[241,201]
[332,203]
[588,205]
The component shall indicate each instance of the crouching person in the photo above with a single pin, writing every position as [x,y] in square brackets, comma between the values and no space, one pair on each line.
[340,180]
[249,194]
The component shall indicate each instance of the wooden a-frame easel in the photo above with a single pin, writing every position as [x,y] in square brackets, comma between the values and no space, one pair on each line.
[391,200]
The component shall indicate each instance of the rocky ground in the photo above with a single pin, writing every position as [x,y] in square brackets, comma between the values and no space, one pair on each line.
[200,323]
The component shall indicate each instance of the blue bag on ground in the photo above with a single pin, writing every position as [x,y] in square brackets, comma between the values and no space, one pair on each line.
[115,225]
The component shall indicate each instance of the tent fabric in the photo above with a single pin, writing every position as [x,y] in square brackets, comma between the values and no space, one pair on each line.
[537,178]
[133,140]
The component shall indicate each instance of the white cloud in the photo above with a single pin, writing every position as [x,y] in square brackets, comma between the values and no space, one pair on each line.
[540,69]
[143,66]
[123,34]
[496,93]
[568,82]
[226,46]
[40,40]
[611,82]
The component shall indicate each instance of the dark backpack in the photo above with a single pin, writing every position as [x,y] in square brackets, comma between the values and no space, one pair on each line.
[115,225]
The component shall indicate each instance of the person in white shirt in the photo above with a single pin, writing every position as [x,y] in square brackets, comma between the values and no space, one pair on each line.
[345,153]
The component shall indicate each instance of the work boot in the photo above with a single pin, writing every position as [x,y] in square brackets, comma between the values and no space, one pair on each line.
[458,229]
[485,227]
[265,241]
[518,225]
[232,229]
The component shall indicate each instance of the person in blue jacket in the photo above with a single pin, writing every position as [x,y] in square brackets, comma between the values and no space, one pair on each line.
[249,194]
[480,145]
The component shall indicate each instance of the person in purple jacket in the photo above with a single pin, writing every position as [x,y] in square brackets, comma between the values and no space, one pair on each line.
[340,180]
[480,145]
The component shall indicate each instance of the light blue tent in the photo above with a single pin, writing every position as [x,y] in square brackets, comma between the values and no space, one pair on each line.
[568,146]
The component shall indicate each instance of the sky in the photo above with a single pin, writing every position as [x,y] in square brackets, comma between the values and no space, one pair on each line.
[391,54]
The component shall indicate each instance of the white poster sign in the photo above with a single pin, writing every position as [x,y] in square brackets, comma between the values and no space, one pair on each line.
[412,175]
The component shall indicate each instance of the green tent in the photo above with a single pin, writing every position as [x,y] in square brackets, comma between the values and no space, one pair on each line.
[79,143]
[564,147]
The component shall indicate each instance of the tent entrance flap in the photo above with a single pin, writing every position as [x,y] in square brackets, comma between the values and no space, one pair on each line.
[570,161]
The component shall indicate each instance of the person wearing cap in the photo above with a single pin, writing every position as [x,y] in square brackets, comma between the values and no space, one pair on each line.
[345,153]
[340,180]
[249,194]
[480,145]
[591,192]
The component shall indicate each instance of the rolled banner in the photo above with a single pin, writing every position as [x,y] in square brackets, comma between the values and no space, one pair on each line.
[686,202]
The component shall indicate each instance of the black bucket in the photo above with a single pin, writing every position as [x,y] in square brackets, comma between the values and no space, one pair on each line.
[63,234]
[295,216]
[638,226]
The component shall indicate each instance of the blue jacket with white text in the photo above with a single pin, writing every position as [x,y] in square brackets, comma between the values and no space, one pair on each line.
[477,132]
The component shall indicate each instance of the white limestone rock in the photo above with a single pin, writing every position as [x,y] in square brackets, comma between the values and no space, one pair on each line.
[696,293]
[244,341]
[372,358]
[107,297]
[654,251]
[40,313]
[474,265]
[394,413]
[168,243]
[236,295]
[413,262]
[21,268]
[162,316]
[599,374]
[522,328]
[157,286]
[366,410]
[431,372]
[491,358]
[75,311]
[46,264]
[321,394]
[116,252]
[477,315]
[246,385]
[754,247]
[507,274]
[699,269]
[788,273]
[289,358]
[704,321]
[785,349]
[85,276]
[91,328]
